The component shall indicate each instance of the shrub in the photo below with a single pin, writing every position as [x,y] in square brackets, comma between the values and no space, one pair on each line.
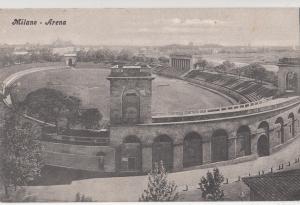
[159,189]
[82,198]
[211,186]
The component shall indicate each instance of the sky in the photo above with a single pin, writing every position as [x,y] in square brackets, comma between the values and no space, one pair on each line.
[146,27]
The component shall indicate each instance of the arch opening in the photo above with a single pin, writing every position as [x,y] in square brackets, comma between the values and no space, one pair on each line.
[279,120]
[219,146]
[192,150]
[263,148]
[131,154]
[162,150]
[292,126]
[265,126]
[291,82]
[243,141]
[70,62]
[131,107]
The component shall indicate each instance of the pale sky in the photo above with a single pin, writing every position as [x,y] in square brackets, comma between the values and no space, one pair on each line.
[258,27]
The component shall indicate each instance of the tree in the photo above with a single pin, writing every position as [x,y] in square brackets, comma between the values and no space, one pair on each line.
[124,55]
[21,159]
[159,189]
[211,186]
[256,71]
[90,118]
[52,105]
[163,59]
[201,63]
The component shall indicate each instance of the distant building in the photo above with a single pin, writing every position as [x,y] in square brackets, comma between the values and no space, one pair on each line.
[63,50]
[280,186]
[181,61]
[70,59]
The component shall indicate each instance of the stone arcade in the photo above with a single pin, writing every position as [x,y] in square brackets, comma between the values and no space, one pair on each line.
[136,140]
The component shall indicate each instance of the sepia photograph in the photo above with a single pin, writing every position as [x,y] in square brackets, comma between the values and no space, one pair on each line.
[149,104]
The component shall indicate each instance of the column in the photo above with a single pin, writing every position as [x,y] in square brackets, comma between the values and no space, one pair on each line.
[146,158]
[206,148]
[231,146]
[281,80]
[177,157]
[298,83]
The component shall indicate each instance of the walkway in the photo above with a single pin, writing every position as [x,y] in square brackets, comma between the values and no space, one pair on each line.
[130,188]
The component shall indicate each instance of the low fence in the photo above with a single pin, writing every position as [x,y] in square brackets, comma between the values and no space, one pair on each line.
[263,105]
[77,136]
[278,167]
[217,109]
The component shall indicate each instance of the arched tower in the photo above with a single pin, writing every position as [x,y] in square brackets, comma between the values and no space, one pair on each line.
[130,95]
[289,75]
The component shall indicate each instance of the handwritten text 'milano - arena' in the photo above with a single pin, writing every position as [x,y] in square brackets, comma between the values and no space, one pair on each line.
[50,22]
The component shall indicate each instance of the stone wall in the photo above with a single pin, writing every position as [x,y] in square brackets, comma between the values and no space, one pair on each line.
[79,156]
[206,129]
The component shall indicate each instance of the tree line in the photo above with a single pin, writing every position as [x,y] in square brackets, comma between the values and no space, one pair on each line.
[254,70]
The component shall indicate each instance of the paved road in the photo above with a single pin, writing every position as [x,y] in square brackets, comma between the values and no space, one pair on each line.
[130,188]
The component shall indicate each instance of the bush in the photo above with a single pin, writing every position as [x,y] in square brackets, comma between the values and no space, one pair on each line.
[159,189]
[82,198]
[211,186]
[19,195]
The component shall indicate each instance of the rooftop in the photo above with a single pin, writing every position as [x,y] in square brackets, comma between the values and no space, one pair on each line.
[70,55]
[277,186]
[130,71]
[289,61]
[181,55]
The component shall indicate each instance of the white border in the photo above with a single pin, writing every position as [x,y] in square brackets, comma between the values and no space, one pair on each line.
[151,4]
[145,3]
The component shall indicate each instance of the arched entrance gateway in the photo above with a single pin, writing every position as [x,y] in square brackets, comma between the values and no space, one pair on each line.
[265,126]
[131,107]
[131,154]
[162,150]
[219,146]
[292,126]
[291,82]
[243,141]
[70,63]
[288,74]
[192,150]
[279,120]
[263,148]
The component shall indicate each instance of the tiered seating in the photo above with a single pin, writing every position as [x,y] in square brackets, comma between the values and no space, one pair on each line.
[247,87]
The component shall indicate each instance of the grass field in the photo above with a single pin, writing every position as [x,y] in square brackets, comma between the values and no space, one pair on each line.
[92,87]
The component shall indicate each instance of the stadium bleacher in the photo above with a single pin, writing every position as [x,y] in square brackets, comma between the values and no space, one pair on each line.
[245,86]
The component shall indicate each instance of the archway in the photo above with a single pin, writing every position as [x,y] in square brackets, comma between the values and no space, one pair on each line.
[192,150]
[70,63]
[131,107]
[162,150]
[265,126]
[263,148]
[219,146]
[279,120]
[291,82]
[243,144]
[131,154]
[292,126]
